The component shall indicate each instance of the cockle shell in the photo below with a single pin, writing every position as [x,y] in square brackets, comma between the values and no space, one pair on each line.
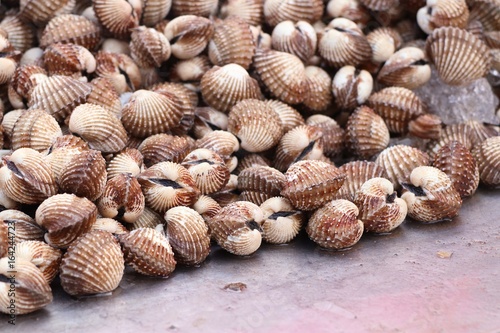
[20,34]
[148,219]
[251,11]
[40,12]
[261,39]
[320,95]
[188,35]
[187,233]
[41,254]
[165,147]
[259,183]
[456,132]
[26,177]
[208,170]
[430,195]
[380,5]
[276,11]
[25,227]
[379,207]
[488,160]
[109,225]
[366,133]
[4,237]
[223,87]
[35,129]
[93,264]
[384,42]
[99,127]
[207,119]
[351,87]
[117,16]
[251,160]
[486,12]
[70,28]
[443,13]
[357,173]
[237,227]
[166,185]
[195,7]
[190,70]
[457,162]
[148,47]
[296,38]
[68,59]
[406,68]
[8,122]
[224,143]
[335,225]
[129,161]
[103,93]
[120,69]
[65,217]
[8,64]
[153,11]
[206,207]
[332,138]
[350,9]
[22,82]
[282,222]
[310,184]
[459,56]
[290,118]
[426,126]
[32,291]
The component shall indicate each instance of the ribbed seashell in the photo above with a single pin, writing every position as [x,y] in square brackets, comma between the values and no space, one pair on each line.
[430,195]
[335,225]
[290,118]
[20,34]
[109,225]
[310,184]
[68,59]
[120,69]
[99,127]
[350,9]
[26,177]
[206,207]
[232,43]
[250,11]
[251,160]
[351,87]
[399,161]
[208,170]
[426,126]
[190,35]
[282,222]
[93,264]
[166,185]
[22,82]
[457,162]
[70,28]
[298,39]
[62,152]
[35,129]
[459,56]
[8,122]
[259,183]
[188,235]
[486,12]
[32,291]
[397,106]
[149,112]
[8,64]
[366,133]
[224,143]
[129,161]
[261,39]
[165,147]
[42,255]
[153,11]
[148,252]
[456,132]
[332,138]
[379,207]
[148,47]
[59,95]
[476,28]
[283,74]
[196,7]
[319,96]
[406,68]
[40,12]
[118,16]
[237,228]
[190,70]
[256,125]
[276,11]
[488,160]
[443,13]
[103,93]
[65,217]
[206,120]
[228,194]
[223,87]
[25,226]
[148,219]
[357,173]
[343,43]
[4,237]
[384,42]
[122,199]
[301,143]
[479,132]
[380,5]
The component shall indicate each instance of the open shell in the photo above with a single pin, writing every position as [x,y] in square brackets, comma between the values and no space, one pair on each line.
[351,87]
[298,39]
[332,138]
[188,35]
[282,222]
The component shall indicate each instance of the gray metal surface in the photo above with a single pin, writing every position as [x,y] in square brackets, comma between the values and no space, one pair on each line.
[390,283]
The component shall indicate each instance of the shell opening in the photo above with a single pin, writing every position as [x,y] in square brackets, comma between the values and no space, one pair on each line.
[390,197]
[305,151]
[417,190]
[165,182]
[12,167]
[200,162]
[275,216]
[420,62]
[252,225]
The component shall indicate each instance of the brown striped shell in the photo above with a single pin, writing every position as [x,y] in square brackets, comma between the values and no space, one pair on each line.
[149,47]
[207,119]
[93,264]
[460,132]
[250,11]
[68,59]
[148,219]
[259,183]
[488,160]
[70,28]
[380,5]
[224,143]
[443,13]
[20,34]
[206,207]
[117,16]
[282,222]
[426,126]
[195,7]
[208,170]
[42,255]
[153,11]
[379,207]
[22,82]
[290,118]
[120,69]
[351,87]
[276,11]
[35,129]
[103,93]
[486,12]
[296,38]
[430,195]
[128,161]
[165,147]
[251,160]
[25,226]
[332,138]
[384,42]
[188,35]
[109,225]
[65,217]
[188,235]
[350,9]
[310,184]
[335,225]
[39,12]
[319,96]
[357,173]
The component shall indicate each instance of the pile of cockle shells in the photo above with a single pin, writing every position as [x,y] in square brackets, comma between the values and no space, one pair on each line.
[136,132]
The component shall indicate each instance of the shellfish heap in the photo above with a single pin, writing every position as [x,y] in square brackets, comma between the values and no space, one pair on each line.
[137,132]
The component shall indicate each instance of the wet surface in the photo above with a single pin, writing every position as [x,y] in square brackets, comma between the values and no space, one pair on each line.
[442,277]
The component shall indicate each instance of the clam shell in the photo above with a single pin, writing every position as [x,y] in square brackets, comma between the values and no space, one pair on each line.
[430,195]
[188,35]
[486,12]
[380,5]
[148,219]
[117,16]
[120,69]
[335,225]
[99,127]
[4,238]
[350,9]
[190,70]
[68,59]
[459,56]
[8,66]
[129,161]
[104,94]
[281,221]
[379,207]
[35,129]
[366,133]
[188,234]
[93,264]
[8,122]
[232,43]
[25,227]
[357,173]
[276,11]
[290,118]
[298,39]
[443,13]
[255,124]
[456,132]
[109,225]
[236,228]
[351,87]
[384,42]
[22,82]
[206,207]
[479,132]
[153,11]
[44,256]
[223,87]
[165,147]
[426,126]
[320,95]
[332,138]
[251,160]
[148,47]
[207,120]
[65,217]
[259,183]
[488,160]
[208,170]
[250,11]
[196,7]
[399,161]
[20,34]
[40,12]
[310,184]
[70,28]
